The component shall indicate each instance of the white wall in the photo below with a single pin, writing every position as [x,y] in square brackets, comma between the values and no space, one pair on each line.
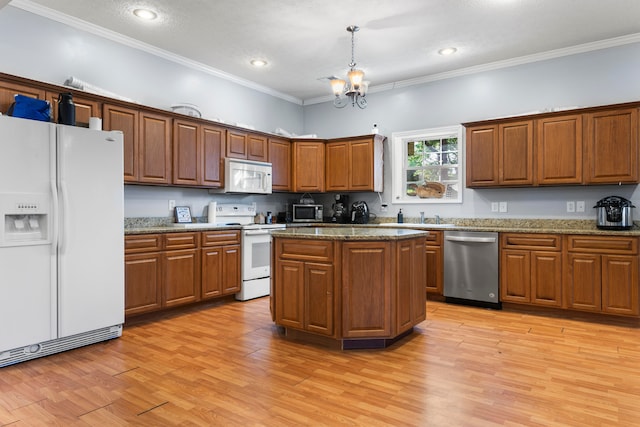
[596,78]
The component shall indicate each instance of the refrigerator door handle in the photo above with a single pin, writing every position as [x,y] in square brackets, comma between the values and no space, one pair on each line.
[65,218]
[54,217]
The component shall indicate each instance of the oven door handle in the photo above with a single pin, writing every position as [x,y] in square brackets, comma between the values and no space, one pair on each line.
[255,232]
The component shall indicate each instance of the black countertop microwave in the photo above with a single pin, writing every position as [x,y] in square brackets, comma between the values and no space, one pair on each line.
[306,213]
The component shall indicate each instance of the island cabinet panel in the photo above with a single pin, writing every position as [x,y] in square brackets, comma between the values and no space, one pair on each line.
[601,274]
[559,150]
[434,263]
[409,284]
[366,289]
[612,147]
[289,289]
[280,159]
[319,296]
[531,269]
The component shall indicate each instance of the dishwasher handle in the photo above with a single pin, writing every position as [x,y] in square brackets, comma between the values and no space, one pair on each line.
[471,239]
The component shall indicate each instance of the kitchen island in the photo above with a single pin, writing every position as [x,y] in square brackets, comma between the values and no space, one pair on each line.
[355,287]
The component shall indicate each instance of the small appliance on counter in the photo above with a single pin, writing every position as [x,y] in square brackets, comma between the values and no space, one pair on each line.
[359,213]
[340,209]
[614,213]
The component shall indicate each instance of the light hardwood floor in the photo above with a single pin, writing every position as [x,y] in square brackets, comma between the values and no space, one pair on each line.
[226,364]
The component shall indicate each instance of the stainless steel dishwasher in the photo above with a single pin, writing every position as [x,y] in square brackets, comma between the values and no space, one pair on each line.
[471,268]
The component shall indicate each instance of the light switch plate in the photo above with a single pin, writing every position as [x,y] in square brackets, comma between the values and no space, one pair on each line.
[503,206]
[580,206]
[494,207]
[571,206]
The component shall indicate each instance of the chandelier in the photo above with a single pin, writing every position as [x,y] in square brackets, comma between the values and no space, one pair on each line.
[355,89]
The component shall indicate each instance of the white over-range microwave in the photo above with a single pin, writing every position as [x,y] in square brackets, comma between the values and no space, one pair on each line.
[246,176]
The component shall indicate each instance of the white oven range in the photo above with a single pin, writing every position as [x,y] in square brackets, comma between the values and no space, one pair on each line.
[255,244]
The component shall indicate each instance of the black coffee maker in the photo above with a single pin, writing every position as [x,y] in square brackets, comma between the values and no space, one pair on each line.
[340,209]
[359,213]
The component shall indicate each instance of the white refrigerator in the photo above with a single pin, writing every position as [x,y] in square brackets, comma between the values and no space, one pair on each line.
[61,238]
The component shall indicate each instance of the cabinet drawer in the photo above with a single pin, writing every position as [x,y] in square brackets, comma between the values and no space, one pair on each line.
[142,243]
[547,242]
[217,238]
[305,249]
[602,244]
[434,238]
[181,240]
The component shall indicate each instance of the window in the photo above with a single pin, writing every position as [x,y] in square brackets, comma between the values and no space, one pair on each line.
[426,165]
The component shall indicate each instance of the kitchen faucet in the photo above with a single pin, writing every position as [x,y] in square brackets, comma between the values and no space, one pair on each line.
[437,219]
[421,217]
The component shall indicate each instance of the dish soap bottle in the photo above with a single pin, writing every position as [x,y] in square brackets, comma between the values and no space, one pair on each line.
[400,217]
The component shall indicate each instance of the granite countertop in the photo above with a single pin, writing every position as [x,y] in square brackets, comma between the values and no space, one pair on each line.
[553,226]
[349,233]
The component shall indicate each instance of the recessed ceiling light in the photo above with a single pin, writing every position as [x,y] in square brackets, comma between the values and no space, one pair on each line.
[145,14]
[447,51]
[258,62]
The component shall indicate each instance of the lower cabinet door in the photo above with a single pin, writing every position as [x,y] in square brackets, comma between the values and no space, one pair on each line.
[230,279]
[182,277]
[546,278]
[211,272]
[143,280]
[620,284]
[582,285]
[289,284]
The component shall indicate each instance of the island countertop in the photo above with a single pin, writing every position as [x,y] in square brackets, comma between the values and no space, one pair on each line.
[348,233]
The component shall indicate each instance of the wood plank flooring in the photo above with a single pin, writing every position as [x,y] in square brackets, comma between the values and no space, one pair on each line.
[225,364]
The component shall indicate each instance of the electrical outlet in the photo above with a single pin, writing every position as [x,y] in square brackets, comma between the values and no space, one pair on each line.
[502,207]
[172,204]
[580,206]
[494,207]
[571,206]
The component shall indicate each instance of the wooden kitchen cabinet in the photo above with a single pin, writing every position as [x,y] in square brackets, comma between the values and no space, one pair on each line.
[84,107]
[354,164]
[8,90]
[154,150]
[410,274]
[221,268]
[434,263]
[147,143]
[245,145]
[531,269]
[305,289]
[308,166]
[601,274]
[197,154]
[280,159]
[559,150]
[500,154]
[611,147]
[143,273]
[181,268]
[124,119]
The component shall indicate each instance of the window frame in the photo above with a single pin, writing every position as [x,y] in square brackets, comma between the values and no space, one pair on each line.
[398,156]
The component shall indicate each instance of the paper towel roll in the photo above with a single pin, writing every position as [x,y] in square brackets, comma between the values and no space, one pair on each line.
[212,212]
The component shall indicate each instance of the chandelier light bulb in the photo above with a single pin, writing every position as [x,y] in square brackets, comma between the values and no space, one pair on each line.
[354,88]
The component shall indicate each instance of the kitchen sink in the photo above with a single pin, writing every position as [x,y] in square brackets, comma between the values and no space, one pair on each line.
[410,225]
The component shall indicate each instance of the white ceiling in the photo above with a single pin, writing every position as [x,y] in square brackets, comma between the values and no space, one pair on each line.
[304,40]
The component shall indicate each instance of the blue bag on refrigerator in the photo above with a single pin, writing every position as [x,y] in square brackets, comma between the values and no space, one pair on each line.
[30,108]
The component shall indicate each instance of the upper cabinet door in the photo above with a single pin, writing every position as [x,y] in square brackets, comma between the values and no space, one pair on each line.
[236,144]
[280,159]
[213,147]
[125,120]
[515,148]
[338,165]
[257,148]
[559,150]
[612,147]
[155,148]
[186,152]
[308,166]
[482,156]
